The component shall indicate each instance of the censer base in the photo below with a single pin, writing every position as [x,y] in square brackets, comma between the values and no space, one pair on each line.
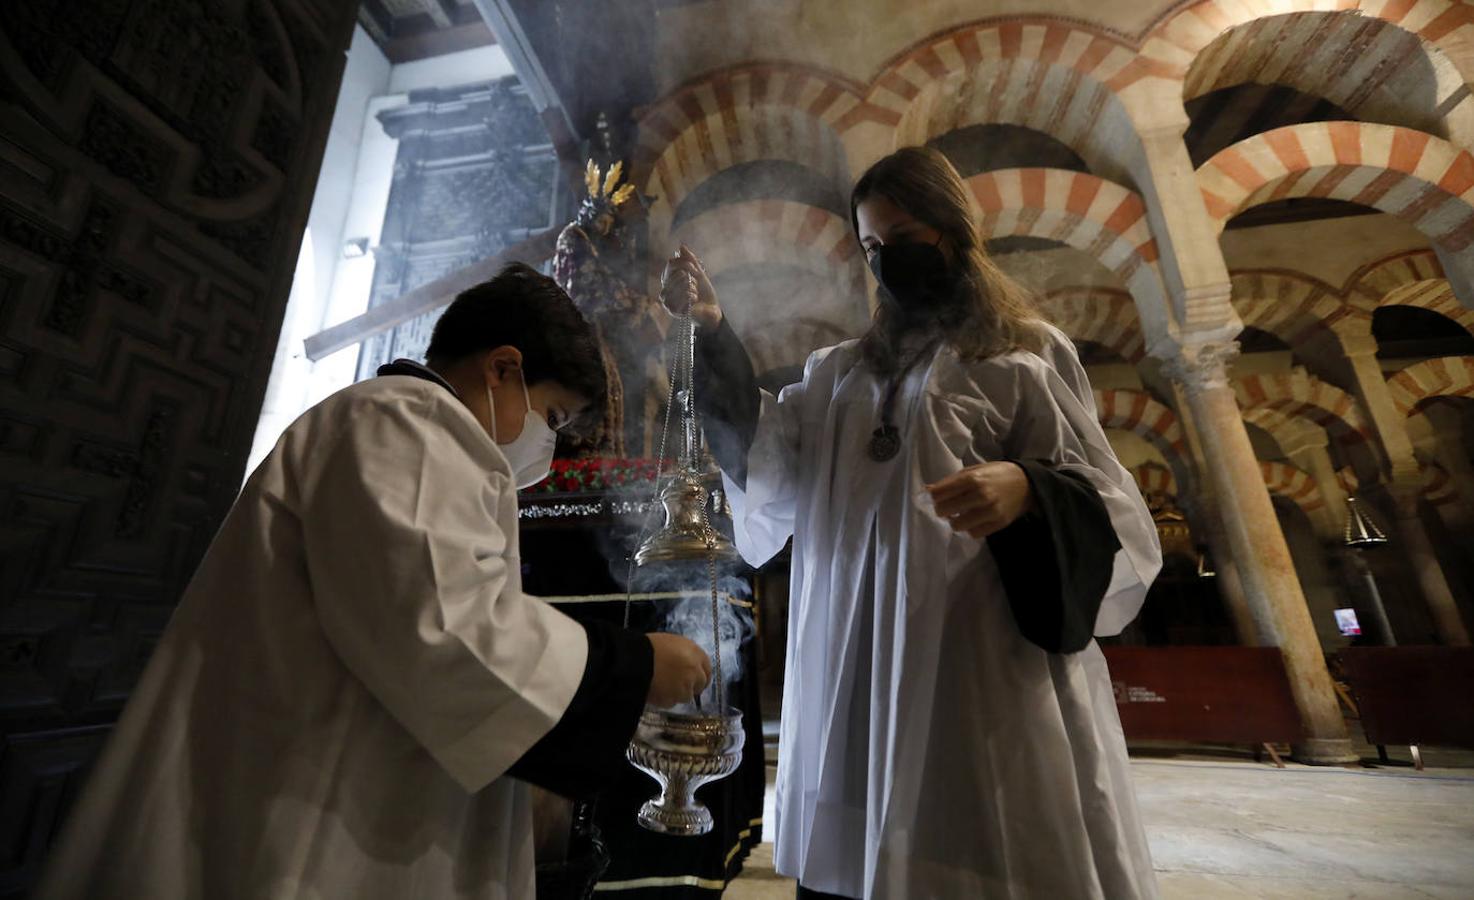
[682,752]
[663,819]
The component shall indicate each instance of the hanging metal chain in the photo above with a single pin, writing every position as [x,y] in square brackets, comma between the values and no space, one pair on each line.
[671,376]
[716,619]
[682,379]
[708,532]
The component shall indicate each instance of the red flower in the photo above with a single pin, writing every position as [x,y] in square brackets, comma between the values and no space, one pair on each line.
[584,475]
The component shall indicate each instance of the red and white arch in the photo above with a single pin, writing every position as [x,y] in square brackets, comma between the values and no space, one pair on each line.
[1141,414]
[1375,69]
[1375,280]
[1293,306]
[1293,483]
[1054,77]
[1414,176]
[1155,478]
[1099,217]
[1103,316]
[1300,395]
[1447,376]
[776,231]
[1435,295]
[1177,41]
[758,112]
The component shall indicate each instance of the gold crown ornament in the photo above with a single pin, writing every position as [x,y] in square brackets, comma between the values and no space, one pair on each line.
[604,187]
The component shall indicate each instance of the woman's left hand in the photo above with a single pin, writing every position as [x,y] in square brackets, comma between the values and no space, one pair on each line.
[982,499]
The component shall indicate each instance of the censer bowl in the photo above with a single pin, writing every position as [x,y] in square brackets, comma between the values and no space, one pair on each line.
[682,752]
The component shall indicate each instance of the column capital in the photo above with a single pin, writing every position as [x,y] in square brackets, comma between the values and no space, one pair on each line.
[1200,367]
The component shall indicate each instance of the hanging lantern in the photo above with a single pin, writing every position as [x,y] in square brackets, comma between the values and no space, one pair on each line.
[1361,530]
[683,751]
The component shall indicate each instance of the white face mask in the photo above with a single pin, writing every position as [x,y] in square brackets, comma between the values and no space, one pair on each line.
[531,454]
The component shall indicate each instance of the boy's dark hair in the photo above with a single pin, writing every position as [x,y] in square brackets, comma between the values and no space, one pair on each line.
[525,309]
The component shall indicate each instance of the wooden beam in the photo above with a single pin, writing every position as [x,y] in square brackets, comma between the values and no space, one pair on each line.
[503,20]
[437,12]
[427,297]
[437,42]
[375,20]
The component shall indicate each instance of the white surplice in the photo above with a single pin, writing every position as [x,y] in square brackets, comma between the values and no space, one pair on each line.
[927,750]
[346,679]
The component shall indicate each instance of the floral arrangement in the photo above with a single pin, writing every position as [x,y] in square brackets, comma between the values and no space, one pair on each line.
[595,475]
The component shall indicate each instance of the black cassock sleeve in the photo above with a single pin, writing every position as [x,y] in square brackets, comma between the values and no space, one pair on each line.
[1056,561]
[727,398]
[584,752]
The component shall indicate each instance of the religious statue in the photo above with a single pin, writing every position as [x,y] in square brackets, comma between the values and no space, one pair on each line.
[592,263]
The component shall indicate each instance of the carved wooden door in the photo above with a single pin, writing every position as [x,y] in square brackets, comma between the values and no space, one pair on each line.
[157,162]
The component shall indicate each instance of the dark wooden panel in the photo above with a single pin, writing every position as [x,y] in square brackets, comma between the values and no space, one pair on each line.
[1232,695]
[39,777]
[1413,695]
[157,161]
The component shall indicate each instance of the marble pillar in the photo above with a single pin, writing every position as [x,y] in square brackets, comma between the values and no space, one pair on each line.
[1376,398]
[1209,519]
[1418,550]
[1229,582]
[1270,584]
[1406,487]
[1356,571]
[1311,455]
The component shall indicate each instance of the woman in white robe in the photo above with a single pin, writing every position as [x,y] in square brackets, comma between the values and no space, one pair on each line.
[353,684]
[948,724]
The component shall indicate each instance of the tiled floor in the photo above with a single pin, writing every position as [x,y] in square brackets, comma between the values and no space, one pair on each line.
[1227,830]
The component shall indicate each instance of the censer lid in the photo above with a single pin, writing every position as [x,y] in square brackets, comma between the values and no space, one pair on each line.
[675,546]
[687,533]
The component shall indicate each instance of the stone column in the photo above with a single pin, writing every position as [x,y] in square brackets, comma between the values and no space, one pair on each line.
[1258,547]
[1191,263]
[1359,574]
[1210,520]
[1458,514]
[1388,421]
[1229,582]
[1405,487]
[1462,473]
[1311,455]
[1419,552]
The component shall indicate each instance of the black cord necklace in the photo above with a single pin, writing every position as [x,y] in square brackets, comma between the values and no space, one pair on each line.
[885,440]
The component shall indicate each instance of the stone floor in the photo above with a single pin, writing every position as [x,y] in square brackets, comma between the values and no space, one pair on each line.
[1227,830]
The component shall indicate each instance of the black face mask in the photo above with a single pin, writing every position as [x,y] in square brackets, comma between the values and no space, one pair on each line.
[914,277]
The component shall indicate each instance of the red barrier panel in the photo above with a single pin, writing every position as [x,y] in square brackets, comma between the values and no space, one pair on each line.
[1231,695]
[1413,695]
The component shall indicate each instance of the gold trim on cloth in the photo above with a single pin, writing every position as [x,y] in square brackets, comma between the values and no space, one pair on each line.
[710,884]
[656,595]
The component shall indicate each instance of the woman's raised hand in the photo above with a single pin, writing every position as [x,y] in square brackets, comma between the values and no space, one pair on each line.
[982,499]
[685,288]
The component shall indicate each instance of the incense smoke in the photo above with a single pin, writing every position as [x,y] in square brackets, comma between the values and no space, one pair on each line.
[689,615]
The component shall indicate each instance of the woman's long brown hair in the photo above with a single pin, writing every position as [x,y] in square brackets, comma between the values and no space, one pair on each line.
[991,313]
